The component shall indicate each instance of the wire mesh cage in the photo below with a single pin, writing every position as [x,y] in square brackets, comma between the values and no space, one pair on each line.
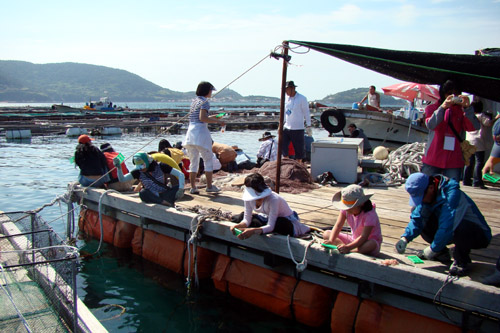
[38,277]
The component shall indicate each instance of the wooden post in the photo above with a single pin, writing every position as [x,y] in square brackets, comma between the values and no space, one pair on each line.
[282,115]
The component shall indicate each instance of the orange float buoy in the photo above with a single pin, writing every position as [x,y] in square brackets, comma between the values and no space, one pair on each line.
[273,291]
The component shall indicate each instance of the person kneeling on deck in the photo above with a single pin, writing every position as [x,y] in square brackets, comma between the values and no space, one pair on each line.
[152,176]
[443,214]
[274,213]
[355,207]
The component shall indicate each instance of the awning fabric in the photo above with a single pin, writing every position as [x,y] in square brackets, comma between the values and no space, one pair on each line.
[475,74]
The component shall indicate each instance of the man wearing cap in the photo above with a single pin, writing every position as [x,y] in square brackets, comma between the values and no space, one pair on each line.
[494,159]
[443,214]
[296,112]
[268,150]
[92,163]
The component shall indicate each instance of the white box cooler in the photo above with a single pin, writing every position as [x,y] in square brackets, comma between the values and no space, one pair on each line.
[340,156]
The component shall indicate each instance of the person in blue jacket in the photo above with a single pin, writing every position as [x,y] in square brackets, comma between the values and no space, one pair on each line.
[442,215]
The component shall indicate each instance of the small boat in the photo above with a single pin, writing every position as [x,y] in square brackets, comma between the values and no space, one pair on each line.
[104,104]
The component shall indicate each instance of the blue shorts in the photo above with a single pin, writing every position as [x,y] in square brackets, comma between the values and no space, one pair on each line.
[296,137]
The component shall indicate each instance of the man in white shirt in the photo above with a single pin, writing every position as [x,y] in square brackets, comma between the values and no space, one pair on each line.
[268,149]
[296,112]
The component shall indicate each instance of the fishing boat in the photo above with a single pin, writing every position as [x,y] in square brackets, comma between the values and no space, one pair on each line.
[104,104]
[389,128]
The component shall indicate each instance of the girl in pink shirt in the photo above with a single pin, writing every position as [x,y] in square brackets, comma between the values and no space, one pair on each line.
[273,212]
[358,210]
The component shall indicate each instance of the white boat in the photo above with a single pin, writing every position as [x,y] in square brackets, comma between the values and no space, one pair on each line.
[380,127]
[103,104]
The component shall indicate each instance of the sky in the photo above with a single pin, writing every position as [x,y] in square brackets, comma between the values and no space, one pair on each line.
[177,44]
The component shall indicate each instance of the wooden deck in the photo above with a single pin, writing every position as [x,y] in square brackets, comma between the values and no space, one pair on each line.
[408,286]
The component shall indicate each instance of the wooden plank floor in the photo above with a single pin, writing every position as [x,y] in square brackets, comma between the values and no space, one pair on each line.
[315,209]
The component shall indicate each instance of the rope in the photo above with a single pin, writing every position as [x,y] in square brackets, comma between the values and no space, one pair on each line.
[6,289]
[100,221]
[195,235]
[437,298]
[402,162]
[299,266]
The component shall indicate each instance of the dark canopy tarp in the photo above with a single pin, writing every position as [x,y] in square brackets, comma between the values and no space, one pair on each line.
[478,75]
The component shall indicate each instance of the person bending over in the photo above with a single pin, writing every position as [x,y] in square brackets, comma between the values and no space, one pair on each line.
[273,212]
[443,214]
[152,176]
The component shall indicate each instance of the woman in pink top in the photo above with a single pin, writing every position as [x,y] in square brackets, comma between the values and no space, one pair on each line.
[443,154]
[358,210]
[273,212]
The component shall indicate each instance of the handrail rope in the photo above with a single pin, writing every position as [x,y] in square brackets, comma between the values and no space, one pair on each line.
[185,116]
[299,266]
[8,293]
[437,298]
[400,62]
[193,240]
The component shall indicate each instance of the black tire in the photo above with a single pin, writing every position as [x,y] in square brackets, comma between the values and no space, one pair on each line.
[333,120]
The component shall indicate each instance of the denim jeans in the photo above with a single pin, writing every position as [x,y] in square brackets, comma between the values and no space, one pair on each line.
[455,173]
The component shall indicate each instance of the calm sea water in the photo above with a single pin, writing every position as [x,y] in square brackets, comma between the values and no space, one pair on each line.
[36,172]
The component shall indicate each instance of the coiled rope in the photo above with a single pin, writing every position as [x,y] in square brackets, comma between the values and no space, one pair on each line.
[404,161]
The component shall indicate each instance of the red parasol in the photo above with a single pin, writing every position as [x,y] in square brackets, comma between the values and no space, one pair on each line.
[410,91]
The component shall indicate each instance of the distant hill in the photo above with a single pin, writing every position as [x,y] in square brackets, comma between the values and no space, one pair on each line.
[356,95]
[22,81]
[68,82]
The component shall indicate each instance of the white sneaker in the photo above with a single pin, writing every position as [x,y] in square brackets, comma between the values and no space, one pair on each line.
[213,189]
[194,191]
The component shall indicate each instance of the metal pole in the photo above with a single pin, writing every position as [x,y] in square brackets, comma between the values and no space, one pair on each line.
[282,115]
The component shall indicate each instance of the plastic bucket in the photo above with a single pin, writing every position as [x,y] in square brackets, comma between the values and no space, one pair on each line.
[355,106]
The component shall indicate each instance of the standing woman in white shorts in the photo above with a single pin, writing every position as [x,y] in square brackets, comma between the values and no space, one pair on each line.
[198,141]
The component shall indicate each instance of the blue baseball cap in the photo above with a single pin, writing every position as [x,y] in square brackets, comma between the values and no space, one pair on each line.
[416,185]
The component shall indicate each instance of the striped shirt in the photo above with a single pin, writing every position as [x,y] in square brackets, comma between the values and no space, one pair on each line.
[198,103]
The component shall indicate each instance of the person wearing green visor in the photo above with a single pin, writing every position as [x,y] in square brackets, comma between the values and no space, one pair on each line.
[153,177]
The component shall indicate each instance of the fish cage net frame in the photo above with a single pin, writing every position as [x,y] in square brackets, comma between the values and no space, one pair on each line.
[38,276]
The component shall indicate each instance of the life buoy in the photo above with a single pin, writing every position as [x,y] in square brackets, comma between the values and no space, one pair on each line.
[333,120]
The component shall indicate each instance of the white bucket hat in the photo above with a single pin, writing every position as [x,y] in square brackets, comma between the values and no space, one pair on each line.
[351,196]
[249,194]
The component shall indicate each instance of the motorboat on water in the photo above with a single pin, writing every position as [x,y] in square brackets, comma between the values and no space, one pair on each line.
[104,104]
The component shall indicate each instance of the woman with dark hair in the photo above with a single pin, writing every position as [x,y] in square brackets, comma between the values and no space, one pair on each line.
[443,153]
[274,214]
[357,209]
[198,141]
[92,163]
